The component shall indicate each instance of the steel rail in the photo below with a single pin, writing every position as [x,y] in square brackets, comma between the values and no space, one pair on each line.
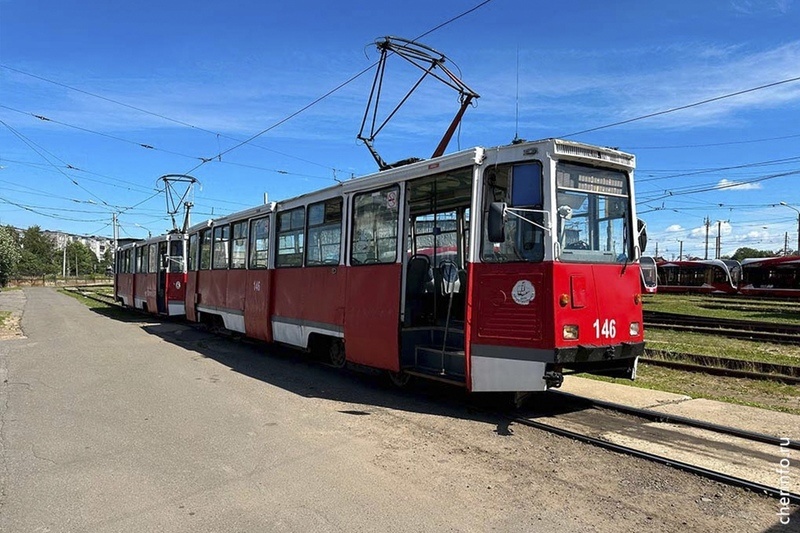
[686,467]
[777,338]
[719,371]
[658,416]
[658,317]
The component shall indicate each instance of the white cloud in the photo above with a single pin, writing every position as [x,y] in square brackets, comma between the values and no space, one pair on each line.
[674,228]
[728,185]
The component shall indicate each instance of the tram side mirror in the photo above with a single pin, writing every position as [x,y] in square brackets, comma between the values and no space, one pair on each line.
[641,228]
[450,282]
[496,225]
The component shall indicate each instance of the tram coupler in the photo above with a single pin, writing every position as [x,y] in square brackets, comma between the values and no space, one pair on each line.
[553,379]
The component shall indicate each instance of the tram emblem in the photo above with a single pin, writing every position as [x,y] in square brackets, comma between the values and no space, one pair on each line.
[257,286]
[523,292]
[178,285]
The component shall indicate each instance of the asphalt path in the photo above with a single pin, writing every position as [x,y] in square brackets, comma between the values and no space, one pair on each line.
[111,425]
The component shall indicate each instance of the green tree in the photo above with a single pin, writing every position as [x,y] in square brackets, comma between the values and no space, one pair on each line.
[107,261]
[38,253]
[9,254]
[744,253]
[81,261]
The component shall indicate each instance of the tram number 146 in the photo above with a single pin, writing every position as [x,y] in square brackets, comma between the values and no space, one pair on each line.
[607,330]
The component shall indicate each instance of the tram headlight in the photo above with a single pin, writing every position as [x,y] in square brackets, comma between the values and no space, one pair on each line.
[570,332]
[634,329]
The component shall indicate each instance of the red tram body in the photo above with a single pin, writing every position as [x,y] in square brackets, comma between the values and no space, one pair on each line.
[710,276]
[771,276]
[151,275]
[399,270]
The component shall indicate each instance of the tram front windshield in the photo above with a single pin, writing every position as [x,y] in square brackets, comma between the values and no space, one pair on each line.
[592,213]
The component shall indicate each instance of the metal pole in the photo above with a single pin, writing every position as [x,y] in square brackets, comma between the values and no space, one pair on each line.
[798,225]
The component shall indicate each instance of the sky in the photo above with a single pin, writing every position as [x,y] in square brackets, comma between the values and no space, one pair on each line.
[98,100]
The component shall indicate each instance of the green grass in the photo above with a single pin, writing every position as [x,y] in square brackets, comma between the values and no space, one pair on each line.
[92,304]
[778,311]
[719,346]
[4,315]
[763,394]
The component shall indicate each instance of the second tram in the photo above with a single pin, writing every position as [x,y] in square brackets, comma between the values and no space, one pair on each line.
[151,275]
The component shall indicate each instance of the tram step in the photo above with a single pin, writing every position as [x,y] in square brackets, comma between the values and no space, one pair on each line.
[451,362]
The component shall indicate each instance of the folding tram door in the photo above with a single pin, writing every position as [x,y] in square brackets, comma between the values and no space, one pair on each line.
[437,224]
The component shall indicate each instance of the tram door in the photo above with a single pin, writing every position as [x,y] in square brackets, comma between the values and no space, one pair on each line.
[438,214]
[161,284]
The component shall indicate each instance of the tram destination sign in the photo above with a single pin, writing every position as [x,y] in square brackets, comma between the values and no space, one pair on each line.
[601,182]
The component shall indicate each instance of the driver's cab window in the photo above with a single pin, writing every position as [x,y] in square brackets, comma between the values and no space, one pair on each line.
[520,187]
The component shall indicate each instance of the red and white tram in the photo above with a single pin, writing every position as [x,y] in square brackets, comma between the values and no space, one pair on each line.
[151,275]
[771,276]
[703,276]
[497,269]
[649,274]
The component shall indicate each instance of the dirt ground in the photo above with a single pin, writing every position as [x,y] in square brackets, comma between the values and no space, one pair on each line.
[10,328]
[516,468]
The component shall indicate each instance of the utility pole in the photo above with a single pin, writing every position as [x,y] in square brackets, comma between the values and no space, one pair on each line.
[680,254]
[719,239]
[64,262]
[656,256]
[786,243]
[798,225]
[707,222]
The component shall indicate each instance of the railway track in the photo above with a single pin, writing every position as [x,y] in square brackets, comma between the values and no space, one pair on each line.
[722,366]
[86,292]
[739,329]
[593,408]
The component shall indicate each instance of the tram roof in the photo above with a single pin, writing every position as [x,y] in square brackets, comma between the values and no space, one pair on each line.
[471,156]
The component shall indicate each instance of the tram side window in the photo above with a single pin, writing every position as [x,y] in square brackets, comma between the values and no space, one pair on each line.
[520,186]
[175,257]
[205,249]
[152,264]
[259,243]
[141,260]
[375,217]
[192,258]
[291,225]
[324,232]
[239,245]
[222,237]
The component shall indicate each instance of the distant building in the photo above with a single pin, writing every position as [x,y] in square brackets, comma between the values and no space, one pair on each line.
[98,245]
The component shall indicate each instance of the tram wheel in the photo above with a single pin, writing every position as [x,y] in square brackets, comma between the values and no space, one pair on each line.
[336,353]
[399,379]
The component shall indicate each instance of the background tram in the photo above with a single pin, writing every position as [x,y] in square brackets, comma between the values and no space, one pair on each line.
[711,276]
[649,274]
[771,276]
[151,275]
[399,270]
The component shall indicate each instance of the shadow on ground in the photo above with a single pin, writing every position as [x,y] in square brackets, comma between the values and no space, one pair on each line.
[307,375]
